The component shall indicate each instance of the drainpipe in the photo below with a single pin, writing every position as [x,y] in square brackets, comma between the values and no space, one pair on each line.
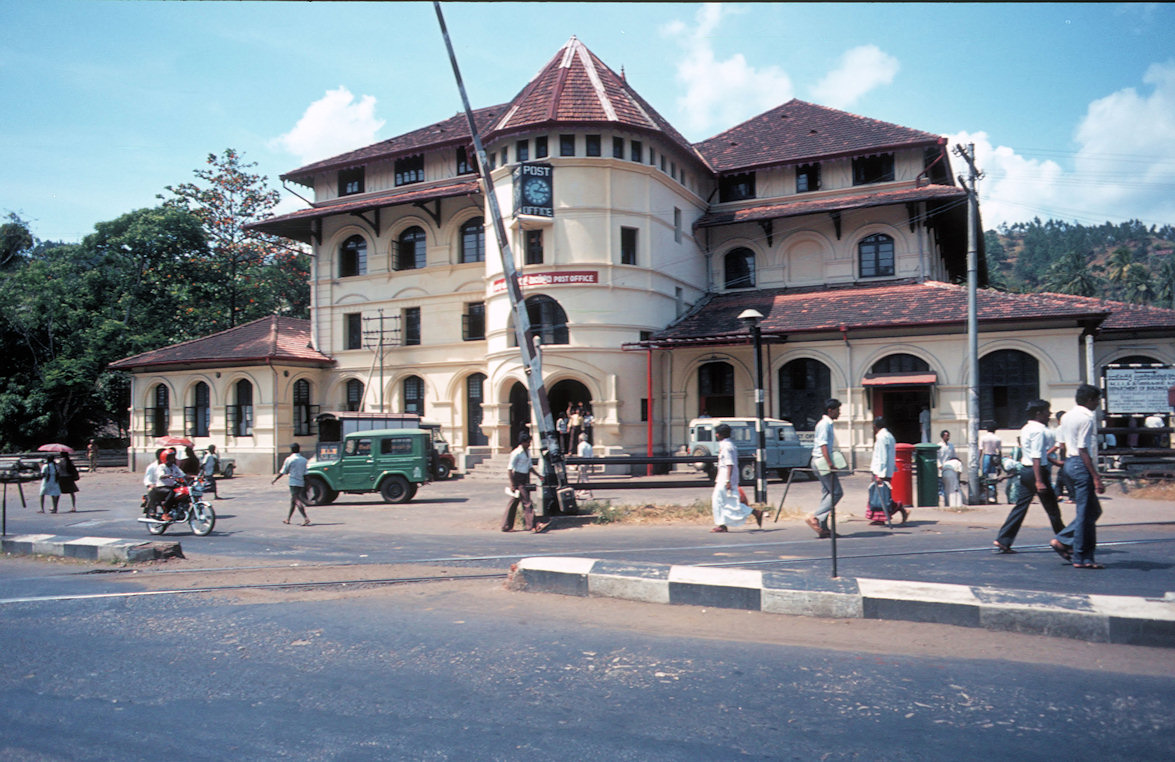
[649,410]
[844,334]
[269,362]
[1089,360]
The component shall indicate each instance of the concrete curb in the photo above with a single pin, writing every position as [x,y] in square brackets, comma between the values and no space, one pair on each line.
[1095,618]
[109,549]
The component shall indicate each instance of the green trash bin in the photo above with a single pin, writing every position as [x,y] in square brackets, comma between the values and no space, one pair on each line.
[926,472]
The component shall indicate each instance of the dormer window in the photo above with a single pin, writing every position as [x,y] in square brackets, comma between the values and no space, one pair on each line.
[410,169]
[736,187]
[873,169]
[350,181]
[807,178]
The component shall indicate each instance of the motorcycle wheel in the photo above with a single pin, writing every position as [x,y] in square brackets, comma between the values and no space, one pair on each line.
[157,528]
[201,518]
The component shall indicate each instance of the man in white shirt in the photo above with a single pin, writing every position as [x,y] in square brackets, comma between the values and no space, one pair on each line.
[519,472]
[208,465]
[725,503]
[585,450]
[1078,541]
[991,446]
[162,478]
[1037,444]
[823,445]
[924,423]
[884,460]
[295,465]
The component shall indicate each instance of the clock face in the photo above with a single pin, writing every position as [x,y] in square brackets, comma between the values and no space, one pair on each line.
[537,191]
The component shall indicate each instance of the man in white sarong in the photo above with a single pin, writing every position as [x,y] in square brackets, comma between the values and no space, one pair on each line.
[729,510]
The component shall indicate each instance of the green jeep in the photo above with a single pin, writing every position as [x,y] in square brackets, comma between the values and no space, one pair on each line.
[393,462]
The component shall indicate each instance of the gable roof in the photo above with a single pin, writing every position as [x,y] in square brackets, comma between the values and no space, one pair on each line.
[800,131]
[452,131]
[576,87]
[883,309]
[281,340]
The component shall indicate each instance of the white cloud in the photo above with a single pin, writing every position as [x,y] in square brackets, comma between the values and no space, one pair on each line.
[333,124]
[861,69]
[731,89]
[1123,168]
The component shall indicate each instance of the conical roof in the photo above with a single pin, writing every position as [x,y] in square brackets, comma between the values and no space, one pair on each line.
[576,87]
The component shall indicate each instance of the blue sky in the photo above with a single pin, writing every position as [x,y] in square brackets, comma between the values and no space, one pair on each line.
[1071,107]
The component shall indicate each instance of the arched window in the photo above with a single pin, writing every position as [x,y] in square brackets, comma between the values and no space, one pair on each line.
[804,386]
[240,415]
[354,401]
[716,389]
[900,363]
[304,412]
[410,249]
[353,257]
[474,397]
[875,256]
[473,241]
[198,417]
[158,414]
[414,395]
[548,321]
[740,268]
[1008,380]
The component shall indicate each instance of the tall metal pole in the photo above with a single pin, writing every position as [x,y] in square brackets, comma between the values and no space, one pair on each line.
[752,317]
[534,376]
[973,488]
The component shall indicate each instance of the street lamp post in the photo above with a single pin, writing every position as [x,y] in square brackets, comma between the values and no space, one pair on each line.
[751,318]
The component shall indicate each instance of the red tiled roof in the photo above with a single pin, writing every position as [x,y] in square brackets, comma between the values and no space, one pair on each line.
[297,225]
[800,131]
[883,307]
[841,202]
[576,87]
[283,340]
[454,131]
[1124,316]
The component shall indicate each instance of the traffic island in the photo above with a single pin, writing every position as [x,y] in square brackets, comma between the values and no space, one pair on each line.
[1118,619]
[106,549]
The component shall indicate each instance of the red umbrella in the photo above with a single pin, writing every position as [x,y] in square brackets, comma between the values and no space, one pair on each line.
[174,441]
[55,447]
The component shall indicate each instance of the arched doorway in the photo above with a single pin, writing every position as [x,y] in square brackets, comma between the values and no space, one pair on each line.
[900,403]
[804,385]
[716,389]
[519,412]
[566,393]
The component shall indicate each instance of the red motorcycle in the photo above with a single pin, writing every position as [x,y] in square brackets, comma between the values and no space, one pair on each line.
[187,504]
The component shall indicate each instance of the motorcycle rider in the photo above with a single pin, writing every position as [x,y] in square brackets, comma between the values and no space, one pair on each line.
[162,478]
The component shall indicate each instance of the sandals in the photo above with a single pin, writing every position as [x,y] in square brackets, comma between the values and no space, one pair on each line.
[1062,550]
[720,528]
[1088,565]
[758,514]
[306,523]
[1001,548]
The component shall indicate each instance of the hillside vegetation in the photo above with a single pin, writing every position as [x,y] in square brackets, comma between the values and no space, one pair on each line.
[1126,261]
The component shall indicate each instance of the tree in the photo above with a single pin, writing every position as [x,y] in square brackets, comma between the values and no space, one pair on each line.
[1071,274]
[15,240]
[248,274]
[1118,267]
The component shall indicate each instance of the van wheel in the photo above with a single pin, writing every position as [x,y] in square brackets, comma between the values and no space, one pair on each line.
[443,471]
[318,492]
[228,471]
[783,473]
[396,489]
[747,473]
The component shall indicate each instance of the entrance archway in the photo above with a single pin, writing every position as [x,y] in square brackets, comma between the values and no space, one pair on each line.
[566,393]
[519,412]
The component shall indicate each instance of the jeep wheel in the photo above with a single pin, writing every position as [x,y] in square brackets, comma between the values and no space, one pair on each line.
[228,471]
[396,489]
[443,471]
[318,492]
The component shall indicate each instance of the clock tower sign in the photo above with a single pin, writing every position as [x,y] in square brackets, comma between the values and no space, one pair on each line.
[533,190]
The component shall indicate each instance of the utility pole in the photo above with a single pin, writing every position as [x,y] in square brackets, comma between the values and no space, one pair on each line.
[973,488]
[374,339]
[530,360]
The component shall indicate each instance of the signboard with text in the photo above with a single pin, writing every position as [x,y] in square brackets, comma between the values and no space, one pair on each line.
[566,278]
[534,190]
[1138,391]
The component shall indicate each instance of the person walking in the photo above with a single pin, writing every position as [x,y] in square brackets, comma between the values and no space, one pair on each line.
[882,465]
[1037,445]
[823,447]
[991,447]
[50,484]
[68,480]
[519,472]
[209,465]
[924,424]
[726,502]
[295,466]
[92,455]
[1077,542]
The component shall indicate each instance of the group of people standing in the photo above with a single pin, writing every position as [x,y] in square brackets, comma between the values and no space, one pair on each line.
[574,425]
[59,479]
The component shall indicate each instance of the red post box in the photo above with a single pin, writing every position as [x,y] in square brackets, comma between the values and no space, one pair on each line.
[903,475]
